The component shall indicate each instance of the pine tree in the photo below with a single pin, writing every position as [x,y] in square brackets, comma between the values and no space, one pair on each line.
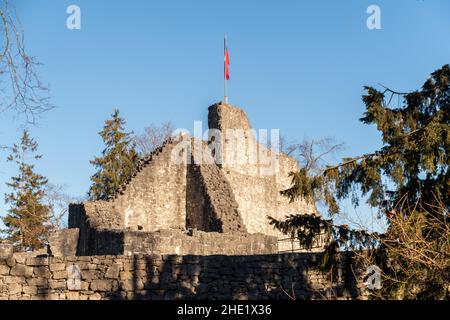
[408,180]
[118,160]
[412,165]
[27,217]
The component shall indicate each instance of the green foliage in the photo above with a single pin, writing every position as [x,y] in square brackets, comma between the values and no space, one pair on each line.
[414,158]
[310,229]
[408,180]
[305,228]
[118,161]
[27,218]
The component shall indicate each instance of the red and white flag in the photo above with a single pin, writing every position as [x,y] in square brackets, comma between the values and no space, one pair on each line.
[226,61]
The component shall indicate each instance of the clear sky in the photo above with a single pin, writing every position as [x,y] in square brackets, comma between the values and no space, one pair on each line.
[299,66]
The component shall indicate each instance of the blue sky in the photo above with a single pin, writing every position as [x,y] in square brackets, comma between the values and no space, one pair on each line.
[299,66]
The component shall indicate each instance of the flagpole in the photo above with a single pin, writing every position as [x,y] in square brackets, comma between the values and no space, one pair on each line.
[225,97]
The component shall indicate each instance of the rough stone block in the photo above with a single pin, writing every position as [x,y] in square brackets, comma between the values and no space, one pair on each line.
[20,257]
[59,275]
[37,281]
[43,272]
[36,261]
[131,285]
[14,288]
[95,296]
[29,290]
[126,275]
[64,242]
[6,250]
[57,266]
[4,270]
[11,261]
[101,285]
[91,275]
[21,270]
[72,296]
[113,272]
[14,279]
[57,285]
[84,296]
[53,296]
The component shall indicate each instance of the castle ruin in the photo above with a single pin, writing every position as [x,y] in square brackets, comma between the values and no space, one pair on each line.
[190,224]
[193,196]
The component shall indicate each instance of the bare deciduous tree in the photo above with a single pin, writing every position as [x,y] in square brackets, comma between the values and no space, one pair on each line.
[153,137]
[58,202]
[22,91]
[415,258]
[312,155]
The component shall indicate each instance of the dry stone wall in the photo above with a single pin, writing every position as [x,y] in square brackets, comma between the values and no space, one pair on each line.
[24,276]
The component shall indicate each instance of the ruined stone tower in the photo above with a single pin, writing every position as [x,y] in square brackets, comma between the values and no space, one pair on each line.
[216,200]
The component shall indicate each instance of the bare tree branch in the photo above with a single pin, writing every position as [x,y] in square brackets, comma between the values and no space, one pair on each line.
[58,202]
[23,93]
[153,137]
[312,155]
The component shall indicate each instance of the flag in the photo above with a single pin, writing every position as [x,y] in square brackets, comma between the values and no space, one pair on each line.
[226,61]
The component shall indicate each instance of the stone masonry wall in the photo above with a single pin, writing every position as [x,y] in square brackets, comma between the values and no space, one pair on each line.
[154,198]
[250,170]
[157,197]
[209,188]
[198,243]
[165,241]
[227,197]
[220,198]
[24,276]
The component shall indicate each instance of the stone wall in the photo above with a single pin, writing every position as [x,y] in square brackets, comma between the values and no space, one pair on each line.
[157,197]
[220,198]
[24,276]
[64,242]
[154,198]
[164,241]
[234,188]
[210,199]
[256,174]
[198,243]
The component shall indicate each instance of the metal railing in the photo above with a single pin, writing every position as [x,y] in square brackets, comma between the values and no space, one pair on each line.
[318,244]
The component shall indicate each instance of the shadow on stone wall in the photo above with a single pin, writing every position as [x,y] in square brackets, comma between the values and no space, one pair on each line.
[158,277]
[231,278]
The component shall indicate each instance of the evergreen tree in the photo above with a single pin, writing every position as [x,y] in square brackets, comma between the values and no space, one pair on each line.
[27,217]
[118,160]
[408,180]
[412,165]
